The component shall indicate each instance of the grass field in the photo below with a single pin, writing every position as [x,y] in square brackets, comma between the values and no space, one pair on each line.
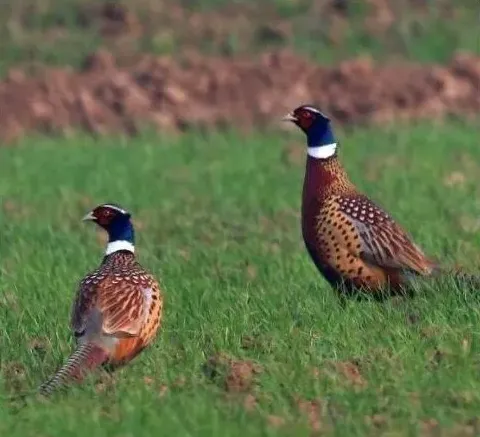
[218,221]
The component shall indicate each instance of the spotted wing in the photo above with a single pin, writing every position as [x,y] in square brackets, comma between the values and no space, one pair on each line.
[121,301]
[382,241]
[85,301]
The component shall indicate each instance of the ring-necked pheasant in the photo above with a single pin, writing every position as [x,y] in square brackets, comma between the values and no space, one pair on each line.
[118,307]
[351,240]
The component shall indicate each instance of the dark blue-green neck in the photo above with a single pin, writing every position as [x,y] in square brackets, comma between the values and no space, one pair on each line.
[121,230]
[320,134]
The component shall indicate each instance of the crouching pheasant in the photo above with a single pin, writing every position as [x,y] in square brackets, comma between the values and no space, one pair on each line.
[118,307]
[351,240]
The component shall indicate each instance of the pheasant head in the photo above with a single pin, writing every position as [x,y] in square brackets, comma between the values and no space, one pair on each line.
[317,127]
[116,221]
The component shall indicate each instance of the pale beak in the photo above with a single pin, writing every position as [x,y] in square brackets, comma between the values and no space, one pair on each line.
[289,117]
[89,216]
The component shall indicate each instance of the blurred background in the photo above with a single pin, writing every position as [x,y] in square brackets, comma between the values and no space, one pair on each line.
[117,65]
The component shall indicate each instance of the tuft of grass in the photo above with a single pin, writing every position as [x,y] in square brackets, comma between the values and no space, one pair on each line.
[218,222]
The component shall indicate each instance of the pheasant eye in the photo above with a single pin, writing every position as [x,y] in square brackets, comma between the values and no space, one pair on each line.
[104,216]
[305,119]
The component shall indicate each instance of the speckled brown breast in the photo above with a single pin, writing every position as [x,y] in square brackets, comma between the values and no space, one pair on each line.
[130,301]
[338,246]
[350,239]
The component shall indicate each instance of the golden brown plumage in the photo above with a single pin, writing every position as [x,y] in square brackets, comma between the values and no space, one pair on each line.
[128,299]
[118,307]
[352,241]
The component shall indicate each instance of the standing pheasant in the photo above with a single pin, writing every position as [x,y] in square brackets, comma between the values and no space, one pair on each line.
[118,307]
[351,240]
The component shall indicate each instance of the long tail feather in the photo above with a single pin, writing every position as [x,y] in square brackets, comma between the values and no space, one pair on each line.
[87,357]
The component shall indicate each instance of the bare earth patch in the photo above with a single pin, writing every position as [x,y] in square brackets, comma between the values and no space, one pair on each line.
[14,376]
[351,373]
[313,411]
[234,375]
[212,92]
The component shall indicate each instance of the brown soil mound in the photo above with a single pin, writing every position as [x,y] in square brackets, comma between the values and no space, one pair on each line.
[214,92]
[234,375]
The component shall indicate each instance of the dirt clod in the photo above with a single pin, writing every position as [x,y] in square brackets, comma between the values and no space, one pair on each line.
[275,421]
[313,411]
[39,345]
[351,373]
[233,375]
[376,420]
[250,402]
[14,374]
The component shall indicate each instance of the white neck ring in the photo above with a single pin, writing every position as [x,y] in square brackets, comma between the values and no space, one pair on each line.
[115,246]
[322,152]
